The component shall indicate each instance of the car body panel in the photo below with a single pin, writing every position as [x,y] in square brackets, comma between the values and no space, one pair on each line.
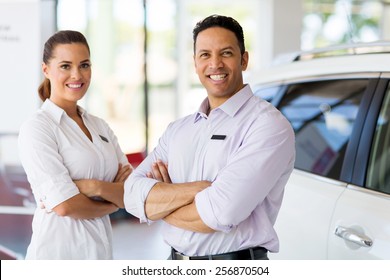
[310,205]
[367,213]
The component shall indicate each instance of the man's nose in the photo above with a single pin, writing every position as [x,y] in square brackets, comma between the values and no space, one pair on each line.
[215,62]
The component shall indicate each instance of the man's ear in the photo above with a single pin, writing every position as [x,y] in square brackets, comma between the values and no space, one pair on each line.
[244,60]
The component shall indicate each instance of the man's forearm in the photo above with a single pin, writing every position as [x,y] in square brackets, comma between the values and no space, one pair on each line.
[165,198]
[187,218]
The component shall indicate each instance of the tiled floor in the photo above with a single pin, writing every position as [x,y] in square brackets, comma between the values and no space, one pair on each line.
[135,241]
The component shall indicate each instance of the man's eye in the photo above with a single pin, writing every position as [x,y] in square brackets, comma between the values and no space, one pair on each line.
[227,53]
[204,55]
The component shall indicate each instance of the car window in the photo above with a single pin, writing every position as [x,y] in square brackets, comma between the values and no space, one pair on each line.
[322,114]
[266,93]
[378,172]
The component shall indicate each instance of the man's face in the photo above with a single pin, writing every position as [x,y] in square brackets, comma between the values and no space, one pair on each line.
[219,64]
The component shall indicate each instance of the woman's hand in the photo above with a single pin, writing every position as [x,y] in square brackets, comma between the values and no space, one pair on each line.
[123,173]
[106,191]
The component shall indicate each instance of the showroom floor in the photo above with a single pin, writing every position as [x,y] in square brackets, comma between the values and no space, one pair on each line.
[135,241]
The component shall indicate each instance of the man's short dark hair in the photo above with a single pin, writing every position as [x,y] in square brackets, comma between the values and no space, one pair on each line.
[224,22]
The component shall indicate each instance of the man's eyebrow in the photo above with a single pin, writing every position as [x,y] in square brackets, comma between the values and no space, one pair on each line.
[223,49]
[227,48]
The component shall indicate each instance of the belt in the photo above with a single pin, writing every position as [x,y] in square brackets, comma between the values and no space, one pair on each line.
[254,253]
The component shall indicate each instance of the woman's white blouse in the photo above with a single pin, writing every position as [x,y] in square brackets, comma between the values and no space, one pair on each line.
[54,151]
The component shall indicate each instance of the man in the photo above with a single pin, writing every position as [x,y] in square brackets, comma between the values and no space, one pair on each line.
[228,164]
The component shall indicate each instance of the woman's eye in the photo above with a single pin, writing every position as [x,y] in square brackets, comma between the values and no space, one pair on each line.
[85,65]
[65,66]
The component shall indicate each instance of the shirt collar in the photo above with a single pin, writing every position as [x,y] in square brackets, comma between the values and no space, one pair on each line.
[56,112]
[230,106]
[203,109]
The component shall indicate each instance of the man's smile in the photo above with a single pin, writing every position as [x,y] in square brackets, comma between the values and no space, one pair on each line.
[217,77]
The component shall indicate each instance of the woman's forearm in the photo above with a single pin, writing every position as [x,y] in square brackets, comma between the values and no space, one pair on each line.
[112,192]
[82,207]
[109,191]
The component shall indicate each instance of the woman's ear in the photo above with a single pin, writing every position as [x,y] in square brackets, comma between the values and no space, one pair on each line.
[45,70]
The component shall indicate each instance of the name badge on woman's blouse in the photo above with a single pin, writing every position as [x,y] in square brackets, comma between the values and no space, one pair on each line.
[103,138]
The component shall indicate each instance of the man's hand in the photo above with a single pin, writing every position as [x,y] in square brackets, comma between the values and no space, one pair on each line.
[166,197]
[160,172]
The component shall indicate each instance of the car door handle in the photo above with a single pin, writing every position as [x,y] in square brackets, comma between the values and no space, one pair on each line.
[353,236]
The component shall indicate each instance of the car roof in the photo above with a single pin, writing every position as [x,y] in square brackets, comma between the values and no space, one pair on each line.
[359,58]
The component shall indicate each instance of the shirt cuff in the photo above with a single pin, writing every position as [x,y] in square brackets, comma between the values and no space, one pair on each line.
[135,196]
[205,210]
[55,196]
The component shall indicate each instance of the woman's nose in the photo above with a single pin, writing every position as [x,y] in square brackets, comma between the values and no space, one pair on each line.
[76,74]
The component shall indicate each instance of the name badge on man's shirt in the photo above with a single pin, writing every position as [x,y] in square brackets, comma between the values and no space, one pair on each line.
[103,138]
[218,137]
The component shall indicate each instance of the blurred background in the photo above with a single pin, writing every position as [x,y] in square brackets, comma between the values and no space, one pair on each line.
[143,73]
[116,30]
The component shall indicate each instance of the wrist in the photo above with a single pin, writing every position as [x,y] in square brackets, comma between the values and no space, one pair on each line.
[98,188]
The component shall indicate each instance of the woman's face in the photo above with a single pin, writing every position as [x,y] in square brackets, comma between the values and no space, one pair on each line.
[69,72]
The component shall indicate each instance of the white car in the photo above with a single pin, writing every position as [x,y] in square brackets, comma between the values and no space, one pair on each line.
[337,201]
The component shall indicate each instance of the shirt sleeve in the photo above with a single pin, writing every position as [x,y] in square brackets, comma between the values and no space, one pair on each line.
[258,169]
[47,175]
[138,185]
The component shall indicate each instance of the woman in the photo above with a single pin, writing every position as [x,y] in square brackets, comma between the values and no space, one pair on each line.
[61,144]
